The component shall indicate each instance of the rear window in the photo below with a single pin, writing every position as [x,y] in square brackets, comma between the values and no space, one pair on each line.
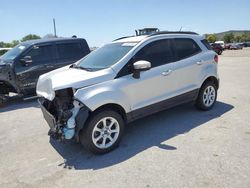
[206,44]
[70,51]
[186,48]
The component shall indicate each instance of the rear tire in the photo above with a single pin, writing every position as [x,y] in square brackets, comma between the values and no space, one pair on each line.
[102,132]
[207,96]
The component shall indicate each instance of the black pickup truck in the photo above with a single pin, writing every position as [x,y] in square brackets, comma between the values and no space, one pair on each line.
[21,66]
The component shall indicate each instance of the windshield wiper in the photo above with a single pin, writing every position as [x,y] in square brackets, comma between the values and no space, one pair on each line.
[82,68]
[72,65]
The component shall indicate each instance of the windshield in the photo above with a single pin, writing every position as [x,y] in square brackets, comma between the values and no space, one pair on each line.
[13,53]
[105,56]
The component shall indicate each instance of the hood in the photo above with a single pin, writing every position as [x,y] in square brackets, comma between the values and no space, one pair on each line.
[70,78]
[4,62]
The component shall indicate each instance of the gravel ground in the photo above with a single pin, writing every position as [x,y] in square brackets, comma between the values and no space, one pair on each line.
[180,147]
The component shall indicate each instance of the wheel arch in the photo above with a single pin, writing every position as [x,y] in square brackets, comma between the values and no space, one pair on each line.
[113,106]
[84,116]
[211,79]
[6,87]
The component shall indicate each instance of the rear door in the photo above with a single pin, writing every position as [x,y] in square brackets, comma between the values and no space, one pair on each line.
[188,65]
[69,52]
[42,57]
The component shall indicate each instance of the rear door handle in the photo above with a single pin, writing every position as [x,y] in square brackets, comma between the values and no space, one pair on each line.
[200,62]
[166,73]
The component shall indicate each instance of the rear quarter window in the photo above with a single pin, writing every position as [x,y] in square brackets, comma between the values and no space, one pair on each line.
[185,48]
[206,44]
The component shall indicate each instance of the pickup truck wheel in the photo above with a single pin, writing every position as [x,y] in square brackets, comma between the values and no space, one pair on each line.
[207,96]
[103,132]
[2,101]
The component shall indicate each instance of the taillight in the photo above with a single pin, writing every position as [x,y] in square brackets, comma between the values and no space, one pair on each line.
[216,58]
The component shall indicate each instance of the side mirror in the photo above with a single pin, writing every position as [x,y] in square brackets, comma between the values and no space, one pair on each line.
[26,61]
[140,66]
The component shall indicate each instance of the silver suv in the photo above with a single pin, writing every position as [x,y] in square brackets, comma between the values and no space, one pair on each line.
[93,99]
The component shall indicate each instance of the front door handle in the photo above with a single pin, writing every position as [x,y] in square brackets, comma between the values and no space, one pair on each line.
[49,66]
[166,73]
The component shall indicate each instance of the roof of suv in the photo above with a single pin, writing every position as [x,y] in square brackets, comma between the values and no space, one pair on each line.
[36,41]
[140,38]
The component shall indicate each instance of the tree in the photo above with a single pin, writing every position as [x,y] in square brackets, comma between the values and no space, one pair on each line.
[245,37]
[14,43]
[2,44]
[30,37]
[211,38]
[237,38]
[228,38]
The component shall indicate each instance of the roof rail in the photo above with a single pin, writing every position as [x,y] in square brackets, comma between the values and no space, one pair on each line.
[174,32]
[122,38]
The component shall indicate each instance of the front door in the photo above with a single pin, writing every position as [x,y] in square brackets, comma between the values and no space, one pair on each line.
[41,60]
[154,85]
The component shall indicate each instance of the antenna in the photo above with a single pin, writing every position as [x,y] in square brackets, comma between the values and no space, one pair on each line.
[180,28]
[54,23]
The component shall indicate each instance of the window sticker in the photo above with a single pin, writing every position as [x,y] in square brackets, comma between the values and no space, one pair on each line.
[21,47]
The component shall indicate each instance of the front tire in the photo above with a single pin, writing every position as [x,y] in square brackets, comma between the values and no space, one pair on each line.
[2,101]
[103,131]
[207,96]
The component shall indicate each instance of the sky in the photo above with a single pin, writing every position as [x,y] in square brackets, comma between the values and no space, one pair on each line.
[101,21]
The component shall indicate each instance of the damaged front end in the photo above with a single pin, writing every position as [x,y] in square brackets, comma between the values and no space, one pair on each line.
[65,115]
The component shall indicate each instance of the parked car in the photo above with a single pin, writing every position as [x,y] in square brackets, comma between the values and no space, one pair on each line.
[227,46]
[222,43]
[217,48]
[93,99]
[236,47]
[146,31]
[21,66]
[246,44]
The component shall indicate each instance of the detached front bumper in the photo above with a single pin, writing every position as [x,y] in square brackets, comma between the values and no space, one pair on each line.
[60,131]
[50,119]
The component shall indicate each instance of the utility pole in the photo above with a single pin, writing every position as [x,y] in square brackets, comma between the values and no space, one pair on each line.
[54,23]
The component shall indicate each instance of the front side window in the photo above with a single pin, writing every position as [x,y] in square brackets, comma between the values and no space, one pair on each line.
[105,56]
[185,48]
[157,53]
[40,54]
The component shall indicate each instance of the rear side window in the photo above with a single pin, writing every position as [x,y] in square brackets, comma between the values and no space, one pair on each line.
[158,53]
[186,48]
[206,44]
[70,51]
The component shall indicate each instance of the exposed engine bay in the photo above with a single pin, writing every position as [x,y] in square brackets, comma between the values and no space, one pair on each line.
[61,114]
